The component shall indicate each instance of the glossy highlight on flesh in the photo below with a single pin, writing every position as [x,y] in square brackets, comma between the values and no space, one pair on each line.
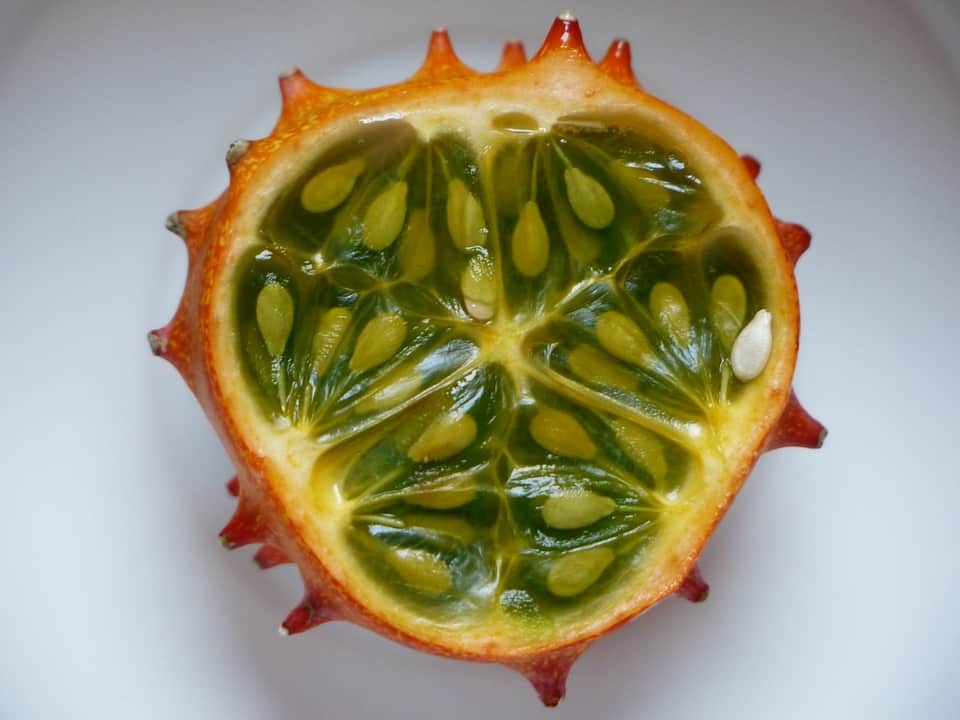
[490,377]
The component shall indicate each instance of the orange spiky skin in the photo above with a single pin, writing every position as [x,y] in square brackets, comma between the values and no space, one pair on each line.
[260,517]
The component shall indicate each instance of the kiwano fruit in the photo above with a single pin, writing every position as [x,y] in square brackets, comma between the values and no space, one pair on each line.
[492,353]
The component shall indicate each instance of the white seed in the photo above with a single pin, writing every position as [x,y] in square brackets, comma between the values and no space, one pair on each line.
[643,447]
[560,433]
[670,312]
[728,308]
[589,200]
[274,316]
[391,392]
[464,216]
[383,220]
[331,186]
[621,337]
[378,342]
[530,245]
[751,349]
[595,366]
[574,573]
[417,252]
[421,570]
[576,509]
[446,494]
[330,330]
[479,286]
[446,436]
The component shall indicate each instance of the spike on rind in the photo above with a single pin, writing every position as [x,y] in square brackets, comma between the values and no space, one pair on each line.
[618,63]
[159,340]
[245,527]
[233,486]
[693,587]
[796,428]
[795,239]
[236,151]
[441,61]
[308,614]
[548,671]
[269,556]
[564,35]
[513,56]
[752,164]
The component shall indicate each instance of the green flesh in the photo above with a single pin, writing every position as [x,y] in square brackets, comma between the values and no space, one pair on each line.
[509,432]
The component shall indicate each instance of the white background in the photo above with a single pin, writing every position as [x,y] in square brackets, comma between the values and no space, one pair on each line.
[835,575]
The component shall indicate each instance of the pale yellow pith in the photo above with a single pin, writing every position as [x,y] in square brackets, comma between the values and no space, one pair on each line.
[293,458]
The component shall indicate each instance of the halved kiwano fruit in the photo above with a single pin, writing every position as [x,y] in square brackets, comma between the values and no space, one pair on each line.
[492,353]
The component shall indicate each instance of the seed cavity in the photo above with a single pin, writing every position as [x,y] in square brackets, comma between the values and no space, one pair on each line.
[330,331]
[516,122]
[417,253]
[576,509]
[479,286]
[421,570]
[589,200]
[378,342]
[446,494]
[643,447]
[751,349]
[594,366]
[670,313]
[330,187]
[728,308]
[274,316]
[465,216]
[448,435]
[642,186]
[560,433]
[384,217]
[530,245]
[621,337]
[574,573]
[392,391]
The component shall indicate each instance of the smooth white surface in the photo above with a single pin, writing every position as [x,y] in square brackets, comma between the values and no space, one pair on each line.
[835,576]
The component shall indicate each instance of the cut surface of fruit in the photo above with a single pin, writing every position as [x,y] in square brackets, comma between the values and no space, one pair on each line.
[493,353]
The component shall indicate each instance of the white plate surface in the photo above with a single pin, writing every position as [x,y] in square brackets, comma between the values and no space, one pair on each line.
[835,576]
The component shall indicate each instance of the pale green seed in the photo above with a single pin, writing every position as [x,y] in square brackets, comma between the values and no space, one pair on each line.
[384,217]
[589,200]
[595,366]
[479,286]
[330,187]
[642,186]
[378,342]
[417,253]
[530,245]
[574,573]
[390,392]
[330,331]
[421,570]
[448,435]
[670,312]
[559,432]
[275,316]
[465,216]
[444,495]
[576,509]
[444,526]
[621,337]
[643,447]
[728,308]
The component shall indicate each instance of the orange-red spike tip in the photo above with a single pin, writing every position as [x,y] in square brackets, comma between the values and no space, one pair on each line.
[269,556]
[693,587]
[752,164]
[795,239]
[796,428]
[618,63]
[304,616]
[233,486]
[548,672]
[293,83]
[565,35]
[245,527]
[159,340]
[441,60]
[513,55]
